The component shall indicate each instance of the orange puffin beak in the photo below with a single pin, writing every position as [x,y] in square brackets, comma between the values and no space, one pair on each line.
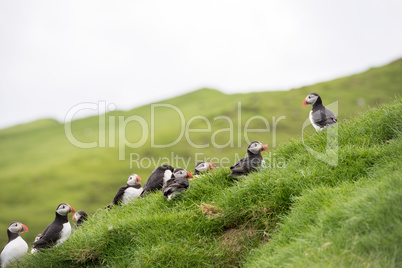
[71,210]
[305,103]
[189,175]
[24,227]
[264,148]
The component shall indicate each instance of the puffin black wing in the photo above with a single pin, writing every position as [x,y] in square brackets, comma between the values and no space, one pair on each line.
[44,231]
[240,168]
[156,179]
[323,116]
[246,165]
[153,183]
[49,236]
[119,195]
[330,117]
[175,185]
[240,165]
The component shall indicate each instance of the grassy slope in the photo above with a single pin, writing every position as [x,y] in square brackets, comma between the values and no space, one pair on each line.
[307,214]
[41,168]
[351,225]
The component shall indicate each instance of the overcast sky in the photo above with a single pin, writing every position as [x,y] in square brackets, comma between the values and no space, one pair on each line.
[57,54]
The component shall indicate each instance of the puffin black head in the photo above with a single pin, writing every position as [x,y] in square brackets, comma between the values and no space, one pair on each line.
[167,167]
[17,227]
[80,215]
[311,99]
[133,180]
[204,167]
[256,147]
[63,209]
[182,173]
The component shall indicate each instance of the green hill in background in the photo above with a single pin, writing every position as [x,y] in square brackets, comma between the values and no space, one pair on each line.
[40,167]
[304,213]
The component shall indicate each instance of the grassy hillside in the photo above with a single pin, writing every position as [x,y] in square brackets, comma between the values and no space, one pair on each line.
[303,214]
[40,167]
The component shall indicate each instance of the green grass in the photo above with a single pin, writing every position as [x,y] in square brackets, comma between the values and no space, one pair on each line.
[40,168]
[352,225]
[304,214]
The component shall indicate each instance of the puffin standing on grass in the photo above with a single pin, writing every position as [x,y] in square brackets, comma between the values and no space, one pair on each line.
[320,116]
[16,246]
[130,192]
[79,216]
[177,183]
[202,167]
[250,163]
[58,231]
[155,182]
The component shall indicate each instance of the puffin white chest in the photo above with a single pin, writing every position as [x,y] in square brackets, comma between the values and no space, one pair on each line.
[167,176]
[13,251]
[317,127]
[65,233]
[131,193]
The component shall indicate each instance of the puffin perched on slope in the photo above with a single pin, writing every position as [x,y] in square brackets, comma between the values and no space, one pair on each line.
[16,246]
[177,183]
[130,192]
[201,167]
[58,231]
[251,162]
[79,216]
[157,178]
[320,116]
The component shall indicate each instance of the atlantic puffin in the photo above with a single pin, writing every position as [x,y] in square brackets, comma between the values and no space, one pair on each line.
[58,231]
[320,116]
[177,183]
[16,246]
[250,163]
[157,178]
[79,216]
[130,192]
[202,167]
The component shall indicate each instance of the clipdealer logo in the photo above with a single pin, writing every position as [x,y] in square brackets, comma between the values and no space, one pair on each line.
[116,128]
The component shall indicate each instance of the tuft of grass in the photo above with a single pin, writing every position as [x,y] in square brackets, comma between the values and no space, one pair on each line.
[306,213]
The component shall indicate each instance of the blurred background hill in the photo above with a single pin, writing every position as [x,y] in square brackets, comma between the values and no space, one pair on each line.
[40,167]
